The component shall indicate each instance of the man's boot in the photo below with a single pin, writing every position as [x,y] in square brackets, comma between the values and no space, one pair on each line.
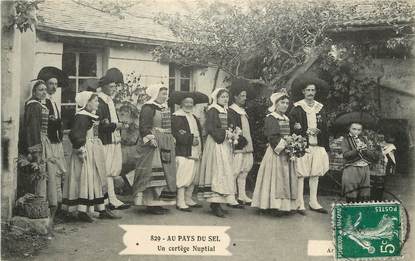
[188,197]
[181,204]
[242,188]
[314,205]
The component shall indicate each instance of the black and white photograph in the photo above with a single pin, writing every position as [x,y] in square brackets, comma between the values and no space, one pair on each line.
[275,130]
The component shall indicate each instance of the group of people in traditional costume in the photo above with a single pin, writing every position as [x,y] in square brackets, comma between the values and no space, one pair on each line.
[174,157]
[280,180]
[87,185]
[96,156]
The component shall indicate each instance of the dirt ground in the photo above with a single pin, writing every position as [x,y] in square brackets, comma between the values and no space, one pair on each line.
[253,237]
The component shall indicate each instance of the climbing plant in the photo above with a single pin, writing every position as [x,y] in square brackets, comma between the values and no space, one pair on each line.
[128,91]
[268,42]
[24,16]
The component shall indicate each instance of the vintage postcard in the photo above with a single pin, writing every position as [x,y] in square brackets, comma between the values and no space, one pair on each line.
[275,130]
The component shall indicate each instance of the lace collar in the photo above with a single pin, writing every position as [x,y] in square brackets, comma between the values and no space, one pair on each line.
[238,109]
[279,116]
[87,113]
[218,107]
[315,109]
[181,112]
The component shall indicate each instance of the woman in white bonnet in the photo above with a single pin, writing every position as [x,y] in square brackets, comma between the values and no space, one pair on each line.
[276,185]
[217,182]
[84,190]
[155,175]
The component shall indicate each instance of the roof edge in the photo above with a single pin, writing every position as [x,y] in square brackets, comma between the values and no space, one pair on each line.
[100,36]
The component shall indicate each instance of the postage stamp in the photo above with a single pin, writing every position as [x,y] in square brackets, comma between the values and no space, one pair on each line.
[369,230]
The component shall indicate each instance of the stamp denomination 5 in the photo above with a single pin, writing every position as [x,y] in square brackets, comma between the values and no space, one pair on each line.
[367,230]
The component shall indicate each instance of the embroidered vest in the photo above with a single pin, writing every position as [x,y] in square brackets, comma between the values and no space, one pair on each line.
[45,118]
[223,117]
[284,127]
[166,119]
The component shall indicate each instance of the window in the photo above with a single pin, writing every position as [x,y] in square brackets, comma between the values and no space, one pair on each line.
[180,78]
[80,65]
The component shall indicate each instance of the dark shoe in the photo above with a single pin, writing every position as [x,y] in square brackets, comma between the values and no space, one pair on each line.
[301,212]
[217,210]
[122,207]
[319,210]
[244,203]
[236,206]
[85,217]
[184,209]
[196,206]
[292,212]
[214,205]
[263,211]
[165,210]
[277,213]
[60,214]
[70,217]
[108,214]
[155,210]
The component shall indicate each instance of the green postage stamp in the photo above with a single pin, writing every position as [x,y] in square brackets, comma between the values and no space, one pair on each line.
[369,230]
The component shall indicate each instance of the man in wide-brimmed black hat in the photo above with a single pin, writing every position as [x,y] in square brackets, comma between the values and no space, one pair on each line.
[243,157]
[109,132]
[187,131]
[308,119]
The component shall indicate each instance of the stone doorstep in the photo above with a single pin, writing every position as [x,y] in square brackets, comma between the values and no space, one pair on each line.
[39,226]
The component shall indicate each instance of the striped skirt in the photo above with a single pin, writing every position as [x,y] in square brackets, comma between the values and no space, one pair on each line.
[155,175]
[50,188]
[84,189]
[216,178]
[276,183]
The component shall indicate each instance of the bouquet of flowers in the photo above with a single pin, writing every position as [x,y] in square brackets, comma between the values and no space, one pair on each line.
[373,139]
[233,135]
[296,146]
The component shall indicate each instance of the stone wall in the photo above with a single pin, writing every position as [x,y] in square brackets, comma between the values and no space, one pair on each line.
[11,71]
[398,101]
[397,96]
[397,104]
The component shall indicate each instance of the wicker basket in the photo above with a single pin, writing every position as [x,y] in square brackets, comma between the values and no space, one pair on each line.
[32,206]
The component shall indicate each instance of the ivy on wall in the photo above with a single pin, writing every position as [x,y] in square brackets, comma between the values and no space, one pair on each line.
[25,15]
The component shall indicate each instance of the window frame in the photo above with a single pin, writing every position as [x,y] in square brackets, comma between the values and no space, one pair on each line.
[77,51]
[178,77]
